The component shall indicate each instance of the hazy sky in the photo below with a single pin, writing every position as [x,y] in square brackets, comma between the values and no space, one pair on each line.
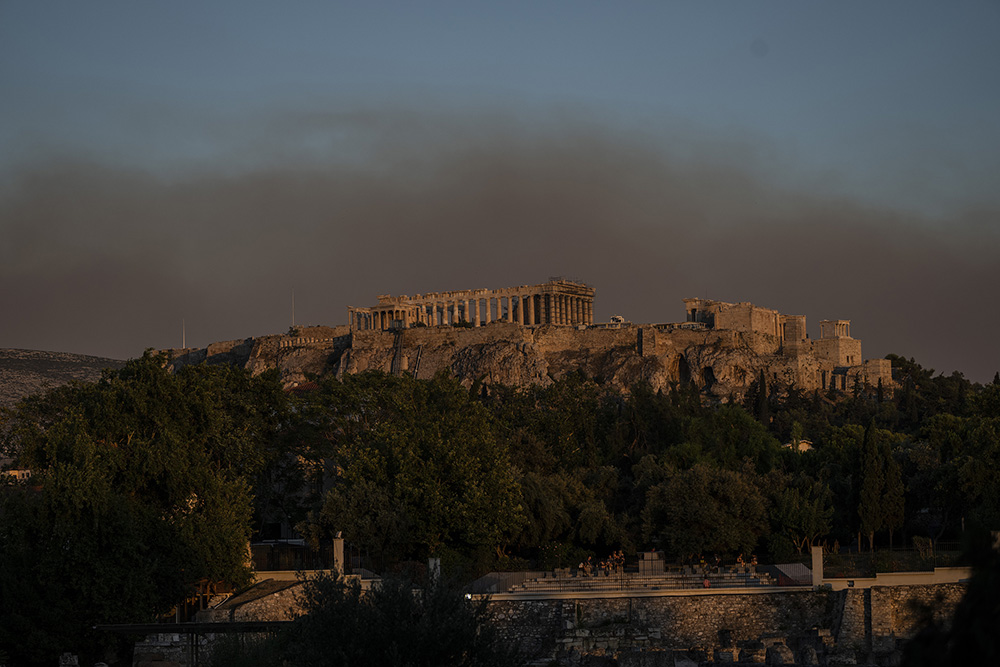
[200,161]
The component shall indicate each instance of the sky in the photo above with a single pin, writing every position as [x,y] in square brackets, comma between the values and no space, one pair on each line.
[203,164]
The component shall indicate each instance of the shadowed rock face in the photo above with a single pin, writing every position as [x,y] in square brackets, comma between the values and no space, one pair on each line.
[26,372]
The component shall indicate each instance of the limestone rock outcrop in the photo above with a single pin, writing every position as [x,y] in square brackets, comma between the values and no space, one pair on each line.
[721,363]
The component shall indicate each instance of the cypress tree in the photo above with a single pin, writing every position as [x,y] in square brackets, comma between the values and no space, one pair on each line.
[761,407]
[870,508]
[893,498]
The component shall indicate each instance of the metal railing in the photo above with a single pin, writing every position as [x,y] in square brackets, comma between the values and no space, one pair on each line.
[282,556]
[285,556]
[868,564]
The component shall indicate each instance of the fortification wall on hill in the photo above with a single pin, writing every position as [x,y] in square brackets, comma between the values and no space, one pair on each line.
[723,363]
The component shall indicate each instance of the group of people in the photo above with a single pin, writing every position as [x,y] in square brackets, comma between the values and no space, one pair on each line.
[715,562]
[613,564]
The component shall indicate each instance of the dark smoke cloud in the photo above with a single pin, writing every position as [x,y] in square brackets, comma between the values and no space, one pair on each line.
[340,207]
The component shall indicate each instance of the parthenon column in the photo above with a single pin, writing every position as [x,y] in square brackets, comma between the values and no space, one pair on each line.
[531,310]
[590,312]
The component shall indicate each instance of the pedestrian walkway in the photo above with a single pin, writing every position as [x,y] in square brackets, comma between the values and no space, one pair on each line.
[677,578]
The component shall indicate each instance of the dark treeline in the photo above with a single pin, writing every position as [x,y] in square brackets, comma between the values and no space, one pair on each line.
[147,483]
[543,476]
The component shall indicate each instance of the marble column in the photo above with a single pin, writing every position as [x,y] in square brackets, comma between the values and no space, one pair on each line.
[531,310]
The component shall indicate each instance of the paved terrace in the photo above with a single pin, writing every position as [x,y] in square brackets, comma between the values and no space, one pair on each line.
[560,582]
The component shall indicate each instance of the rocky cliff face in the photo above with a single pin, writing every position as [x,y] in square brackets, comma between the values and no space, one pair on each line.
[723,363]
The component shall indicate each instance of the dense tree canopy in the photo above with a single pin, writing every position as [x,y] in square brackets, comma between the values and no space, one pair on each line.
[416,467]
[146,481]
[141,488]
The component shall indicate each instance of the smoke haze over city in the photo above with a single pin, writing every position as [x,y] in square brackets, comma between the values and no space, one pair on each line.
[202,165]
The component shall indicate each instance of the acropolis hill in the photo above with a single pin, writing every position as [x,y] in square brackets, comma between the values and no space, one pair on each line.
[534,334]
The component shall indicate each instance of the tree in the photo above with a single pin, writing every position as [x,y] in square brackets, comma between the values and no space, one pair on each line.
[894,502]
[871,511]
[424,455]
[140,489]
[729,435]
[705,509]
[394,624]
[801,508]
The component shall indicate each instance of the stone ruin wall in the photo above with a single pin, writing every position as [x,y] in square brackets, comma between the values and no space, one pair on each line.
[722,362]
[722,348]
[800,626]
[789,627]
[301,353]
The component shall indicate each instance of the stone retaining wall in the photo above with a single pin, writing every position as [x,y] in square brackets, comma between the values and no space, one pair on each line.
[853,626]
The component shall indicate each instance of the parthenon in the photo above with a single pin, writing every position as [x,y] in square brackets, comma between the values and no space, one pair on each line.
[559,301]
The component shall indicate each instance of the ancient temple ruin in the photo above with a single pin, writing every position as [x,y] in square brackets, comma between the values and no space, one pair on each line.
[539,333]
[558,301]
[835,357]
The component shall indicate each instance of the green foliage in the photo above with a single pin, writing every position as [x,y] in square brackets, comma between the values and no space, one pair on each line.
[728,436]
[393,624]
[146,479]
[140,489]
[870,508]
[416,467]
[705,509]
[800,509]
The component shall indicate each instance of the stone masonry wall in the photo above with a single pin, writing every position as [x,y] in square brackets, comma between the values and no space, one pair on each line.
[722,362]
[853,626]
[554,629]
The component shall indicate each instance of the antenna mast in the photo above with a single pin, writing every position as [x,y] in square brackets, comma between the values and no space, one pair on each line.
[183,335]
[293,307]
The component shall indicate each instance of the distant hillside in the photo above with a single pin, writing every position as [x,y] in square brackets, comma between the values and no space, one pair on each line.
[25,372]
